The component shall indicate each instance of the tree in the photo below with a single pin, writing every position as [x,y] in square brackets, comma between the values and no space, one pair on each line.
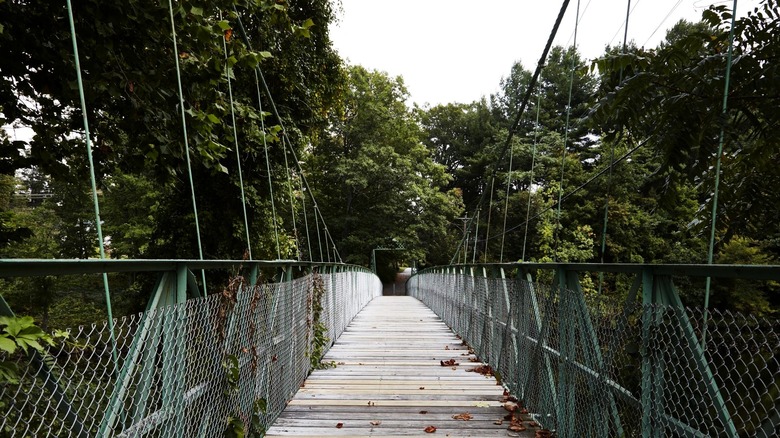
[672,96]
[374,178]
[127,62]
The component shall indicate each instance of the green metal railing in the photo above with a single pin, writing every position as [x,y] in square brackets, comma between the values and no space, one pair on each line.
[191,364]
[624,364]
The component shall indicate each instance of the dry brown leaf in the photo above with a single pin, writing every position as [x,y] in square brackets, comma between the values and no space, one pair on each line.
[499,422]
[339,425]
[448,363]
[430,429]
[517,428]
[510,406]
[423,412]
[376,423]
[464,416]
[422,387]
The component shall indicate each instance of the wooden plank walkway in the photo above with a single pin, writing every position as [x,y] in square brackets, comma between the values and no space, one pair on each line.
[389,381]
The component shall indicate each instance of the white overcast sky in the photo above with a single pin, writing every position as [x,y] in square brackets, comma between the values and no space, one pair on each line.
[458,50]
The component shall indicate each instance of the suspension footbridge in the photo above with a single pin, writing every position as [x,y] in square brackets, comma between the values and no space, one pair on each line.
[299,347]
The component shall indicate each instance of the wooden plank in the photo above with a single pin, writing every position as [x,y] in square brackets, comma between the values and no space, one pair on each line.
[389,381]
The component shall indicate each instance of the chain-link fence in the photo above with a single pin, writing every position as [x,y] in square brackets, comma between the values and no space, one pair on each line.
[590,366]
[228,361]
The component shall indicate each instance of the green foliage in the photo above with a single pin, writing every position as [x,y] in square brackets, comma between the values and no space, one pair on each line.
[373,177]
[132,98]
[319,341]
[673,96]
[753,297]
[19,334]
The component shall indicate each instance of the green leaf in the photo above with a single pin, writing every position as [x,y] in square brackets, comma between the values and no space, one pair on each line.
[212,118]
[24,343]
[224,25]
[197,11]
[265,54]
[9,373]
[308,23]
[7,345]
[1,26]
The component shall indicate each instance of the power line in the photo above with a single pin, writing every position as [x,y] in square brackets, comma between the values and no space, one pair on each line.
[674,8]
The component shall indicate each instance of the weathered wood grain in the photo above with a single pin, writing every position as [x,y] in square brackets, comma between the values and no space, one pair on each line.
[389,381]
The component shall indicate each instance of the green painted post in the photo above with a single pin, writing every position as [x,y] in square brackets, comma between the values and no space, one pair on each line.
[566,382]
[697,356]
[115,405]
[589,343]
[648,429]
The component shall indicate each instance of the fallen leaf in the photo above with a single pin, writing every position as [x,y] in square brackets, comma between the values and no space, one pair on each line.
[485,370]
[533,424]
[423,412]
[499,422]
[339,425]
[446,347]
[543,433]
[482,404]
[516,428]
[422,387]
[376,423]
[448,363]
[464,416]
[430,429]
[510,406]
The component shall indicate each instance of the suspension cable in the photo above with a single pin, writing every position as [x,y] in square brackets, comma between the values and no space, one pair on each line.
[319,238]
[275,111]
[581,186]
[186,141]
[713,221]
[531,179]
[526,97]
[506,203]
[228,69]
[92,180]
[305,218]
[292,201]
[566,134]
[490,211]
[267,165]
[612,160]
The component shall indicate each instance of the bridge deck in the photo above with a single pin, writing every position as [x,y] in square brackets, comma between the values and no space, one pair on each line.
[389,381]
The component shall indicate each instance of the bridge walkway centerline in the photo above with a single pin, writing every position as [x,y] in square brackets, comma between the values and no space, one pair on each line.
[392,377]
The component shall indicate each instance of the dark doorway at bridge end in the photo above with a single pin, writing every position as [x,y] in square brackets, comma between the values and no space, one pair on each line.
[397,287]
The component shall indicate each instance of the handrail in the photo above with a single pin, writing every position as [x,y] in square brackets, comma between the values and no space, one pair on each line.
[748,272]
[40,267]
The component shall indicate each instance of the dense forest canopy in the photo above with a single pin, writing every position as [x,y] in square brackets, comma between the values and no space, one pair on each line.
[383,173]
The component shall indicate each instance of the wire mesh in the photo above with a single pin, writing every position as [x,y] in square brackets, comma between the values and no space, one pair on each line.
[589,366]
[197,368]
